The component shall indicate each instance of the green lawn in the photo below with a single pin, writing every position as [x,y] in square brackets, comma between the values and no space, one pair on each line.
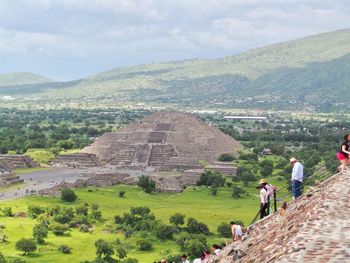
[194,202]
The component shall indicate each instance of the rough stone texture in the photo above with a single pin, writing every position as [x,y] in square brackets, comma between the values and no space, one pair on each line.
[7,176]
[18,161]
[314,228]
[75,160]
[166,140]
[226,168]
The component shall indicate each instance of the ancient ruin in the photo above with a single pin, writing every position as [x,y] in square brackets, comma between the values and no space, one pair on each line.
[75,160]
[164,140]
[7,176]
[314,228]
[18,161]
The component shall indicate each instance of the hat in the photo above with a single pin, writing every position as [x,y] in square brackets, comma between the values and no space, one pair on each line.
[292,160]
[262,181]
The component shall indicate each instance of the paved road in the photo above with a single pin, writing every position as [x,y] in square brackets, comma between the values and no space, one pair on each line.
[38,180]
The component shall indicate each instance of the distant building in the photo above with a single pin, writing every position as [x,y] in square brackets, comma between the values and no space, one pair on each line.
[252,118]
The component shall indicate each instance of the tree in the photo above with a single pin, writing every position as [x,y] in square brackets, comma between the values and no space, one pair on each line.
[68,195]
[247,176]
[194,247]
[26,245]
[40,232]
[121,251]
[224,230]
[177,219]
[267,168]
[146,184]
[104,249]
[237,192]
[164,232]
[195,227]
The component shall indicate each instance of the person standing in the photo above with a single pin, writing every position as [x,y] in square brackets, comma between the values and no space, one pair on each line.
[263,200]
[343,154]
[271,192]
[297,177]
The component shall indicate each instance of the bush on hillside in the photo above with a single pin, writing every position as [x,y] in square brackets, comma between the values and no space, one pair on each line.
[146,184]
[224,230]
[144,244]
[68,195]
[26,245]
[64,249]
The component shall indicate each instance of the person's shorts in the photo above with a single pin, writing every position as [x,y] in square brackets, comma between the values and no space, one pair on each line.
[341,156]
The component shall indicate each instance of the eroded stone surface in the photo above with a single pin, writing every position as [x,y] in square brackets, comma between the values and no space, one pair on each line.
[315,228]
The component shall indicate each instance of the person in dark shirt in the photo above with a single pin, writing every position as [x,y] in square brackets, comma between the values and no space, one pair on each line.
[343,154]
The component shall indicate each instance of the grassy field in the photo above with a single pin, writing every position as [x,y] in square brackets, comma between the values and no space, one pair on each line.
[194,202]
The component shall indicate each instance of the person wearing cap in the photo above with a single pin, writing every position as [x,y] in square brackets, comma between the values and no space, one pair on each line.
[270,192]
[297,177]
[263,200]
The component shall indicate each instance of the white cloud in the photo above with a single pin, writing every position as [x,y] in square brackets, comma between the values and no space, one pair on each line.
[125,31]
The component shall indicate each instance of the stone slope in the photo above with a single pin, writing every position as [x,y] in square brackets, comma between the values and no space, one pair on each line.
[315,228]
[168,140]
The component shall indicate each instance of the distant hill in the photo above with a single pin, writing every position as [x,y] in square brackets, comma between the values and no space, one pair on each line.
[310,71]
[21,78]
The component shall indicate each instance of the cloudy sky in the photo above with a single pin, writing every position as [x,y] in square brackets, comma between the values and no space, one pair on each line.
[70,39]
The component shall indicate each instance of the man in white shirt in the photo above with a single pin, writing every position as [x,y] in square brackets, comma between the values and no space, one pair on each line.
[297,177]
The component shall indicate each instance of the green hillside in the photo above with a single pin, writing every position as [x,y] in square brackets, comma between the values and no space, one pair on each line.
[312,71]
[21,78]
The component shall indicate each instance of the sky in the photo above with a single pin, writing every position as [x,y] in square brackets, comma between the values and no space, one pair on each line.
[72,39]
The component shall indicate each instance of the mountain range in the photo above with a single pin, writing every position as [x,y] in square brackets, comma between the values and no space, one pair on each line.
[309,72]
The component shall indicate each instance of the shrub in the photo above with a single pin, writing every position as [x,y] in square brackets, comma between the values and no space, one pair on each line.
[194,247]
[103,249]
[177,219]
[146,184]
[121,194]
[40,232]
[84,228]
[195,227]
[96,214]
[26,245]
[6,211]
[237,192]
[144,244]
[34,211]
[58,229]
[68,195]
[81,210]
[121,251]
[164,232]
[224,230]
[226,157]
[211,178]
[64,249]
[229,184]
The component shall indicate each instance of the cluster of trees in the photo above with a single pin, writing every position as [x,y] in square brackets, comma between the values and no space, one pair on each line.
[58,129]
[189,234]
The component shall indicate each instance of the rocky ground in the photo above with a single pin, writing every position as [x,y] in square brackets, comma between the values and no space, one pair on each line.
[314,228]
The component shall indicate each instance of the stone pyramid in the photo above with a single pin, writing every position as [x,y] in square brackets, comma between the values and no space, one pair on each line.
[165,140]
